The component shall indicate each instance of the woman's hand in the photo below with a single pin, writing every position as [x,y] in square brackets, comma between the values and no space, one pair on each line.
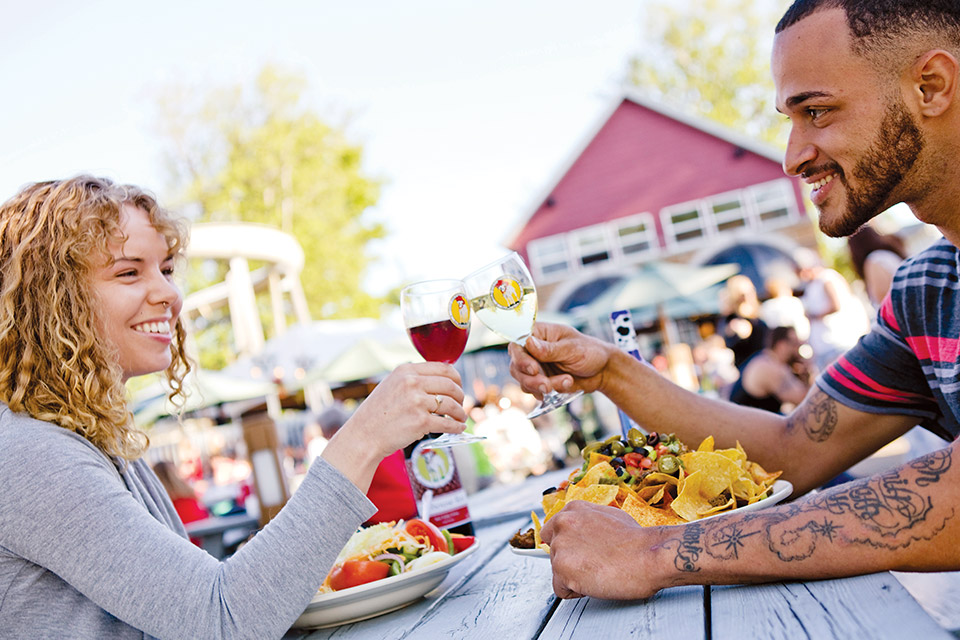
[414,400]
[580,359]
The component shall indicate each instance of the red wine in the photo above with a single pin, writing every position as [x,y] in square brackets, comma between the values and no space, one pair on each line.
[440,341]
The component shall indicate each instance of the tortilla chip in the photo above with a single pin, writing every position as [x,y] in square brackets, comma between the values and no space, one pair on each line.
[658,496]
[554,509]
[689,502]
[597,458]
[537,541]
[760,475]
[605,494]
[706,445]
[599,470]
[719,472]
[656,476]
[647,516]
[729,504]
[646,493]
[551,498]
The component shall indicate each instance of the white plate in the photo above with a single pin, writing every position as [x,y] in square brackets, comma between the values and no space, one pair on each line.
[781,489]
[378,597]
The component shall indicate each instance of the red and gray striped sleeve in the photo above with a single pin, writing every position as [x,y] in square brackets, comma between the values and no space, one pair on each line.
[882,374]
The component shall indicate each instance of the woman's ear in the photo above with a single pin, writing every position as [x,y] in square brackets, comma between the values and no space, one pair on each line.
[934,78]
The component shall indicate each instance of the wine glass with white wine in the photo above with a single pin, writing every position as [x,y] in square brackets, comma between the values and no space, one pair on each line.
[503,296]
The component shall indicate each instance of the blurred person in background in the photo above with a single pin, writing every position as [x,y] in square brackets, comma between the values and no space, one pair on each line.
[876,257]
[184,498]
[837,317]
[775,378]
[783,309]
[91,546]
[714,362]
[740,324]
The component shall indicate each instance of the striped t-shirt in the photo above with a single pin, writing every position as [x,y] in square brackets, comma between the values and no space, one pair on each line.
[909,363]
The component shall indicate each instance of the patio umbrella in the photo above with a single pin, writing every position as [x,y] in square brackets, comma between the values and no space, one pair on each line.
[366,358]
[203,389]
[655,284]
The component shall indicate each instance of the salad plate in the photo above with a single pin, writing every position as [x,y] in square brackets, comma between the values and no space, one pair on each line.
[377,597]
[781,489]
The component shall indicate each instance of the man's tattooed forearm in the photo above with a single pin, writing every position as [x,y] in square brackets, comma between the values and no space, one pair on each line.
[817,416]
[893,507]
[889,511]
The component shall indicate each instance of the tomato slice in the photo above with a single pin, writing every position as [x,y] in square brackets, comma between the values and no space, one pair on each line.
[356,572]
[462,542]
[424,529]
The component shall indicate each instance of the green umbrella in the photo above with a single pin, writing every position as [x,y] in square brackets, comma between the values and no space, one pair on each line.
[657,283]
[366,358]
[203,389]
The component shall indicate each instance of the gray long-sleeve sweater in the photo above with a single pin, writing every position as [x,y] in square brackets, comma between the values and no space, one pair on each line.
[91,548]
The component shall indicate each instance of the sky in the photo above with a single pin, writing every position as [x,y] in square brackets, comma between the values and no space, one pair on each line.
[466,110]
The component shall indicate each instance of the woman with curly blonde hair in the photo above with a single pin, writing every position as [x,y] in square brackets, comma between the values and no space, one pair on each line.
[90,543]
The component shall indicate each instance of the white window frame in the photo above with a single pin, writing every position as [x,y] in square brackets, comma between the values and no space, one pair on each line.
[786,198]
[538,263]
[742,213]
[648,236]
[598,240]
[671,229]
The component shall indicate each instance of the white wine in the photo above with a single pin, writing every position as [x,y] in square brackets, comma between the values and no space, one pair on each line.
[513,324]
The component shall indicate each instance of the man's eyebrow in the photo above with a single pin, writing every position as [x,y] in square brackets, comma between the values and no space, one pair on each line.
[800,98]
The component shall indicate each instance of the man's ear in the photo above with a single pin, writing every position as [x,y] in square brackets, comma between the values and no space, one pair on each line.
[934,79]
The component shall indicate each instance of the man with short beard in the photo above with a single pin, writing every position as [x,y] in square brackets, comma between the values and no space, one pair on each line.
[871,91]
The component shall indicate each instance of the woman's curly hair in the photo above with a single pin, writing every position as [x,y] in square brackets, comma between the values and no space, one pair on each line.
[54,364]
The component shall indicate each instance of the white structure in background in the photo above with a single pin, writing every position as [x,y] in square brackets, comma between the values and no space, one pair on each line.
[238,243]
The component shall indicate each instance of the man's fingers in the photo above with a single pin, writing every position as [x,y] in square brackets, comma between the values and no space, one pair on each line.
[561,589]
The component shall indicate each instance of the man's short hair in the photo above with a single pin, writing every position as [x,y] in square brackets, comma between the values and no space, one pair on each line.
[780,334]
[882,27]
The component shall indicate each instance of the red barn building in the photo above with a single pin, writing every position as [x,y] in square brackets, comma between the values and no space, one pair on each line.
[653,183]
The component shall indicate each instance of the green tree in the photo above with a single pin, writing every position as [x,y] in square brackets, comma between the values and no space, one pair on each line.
[711,58]
[263,156]
[260,154]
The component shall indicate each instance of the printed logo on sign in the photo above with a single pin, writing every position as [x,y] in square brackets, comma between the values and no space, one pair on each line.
[433,468]
[459,311]
[506,293]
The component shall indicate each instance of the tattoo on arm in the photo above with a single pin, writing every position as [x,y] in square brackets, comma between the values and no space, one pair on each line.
[817,416]
[689,548]
[894,509]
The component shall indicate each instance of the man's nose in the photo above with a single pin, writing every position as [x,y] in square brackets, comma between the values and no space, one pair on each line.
[800,152]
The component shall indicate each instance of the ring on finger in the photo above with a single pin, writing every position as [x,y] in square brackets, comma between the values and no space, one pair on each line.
[439,399]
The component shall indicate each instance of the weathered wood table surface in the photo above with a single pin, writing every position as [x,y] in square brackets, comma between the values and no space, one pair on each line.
[503,596]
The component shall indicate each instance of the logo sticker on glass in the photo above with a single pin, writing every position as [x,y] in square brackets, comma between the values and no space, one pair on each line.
[433,468]
[460,311]
[506,293]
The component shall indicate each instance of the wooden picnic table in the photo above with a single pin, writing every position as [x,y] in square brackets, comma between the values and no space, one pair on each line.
[498,594]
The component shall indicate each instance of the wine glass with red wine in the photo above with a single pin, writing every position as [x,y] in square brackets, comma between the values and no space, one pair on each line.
[436,314]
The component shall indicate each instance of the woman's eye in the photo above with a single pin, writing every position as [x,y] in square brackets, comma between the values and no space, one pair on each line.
[126,274]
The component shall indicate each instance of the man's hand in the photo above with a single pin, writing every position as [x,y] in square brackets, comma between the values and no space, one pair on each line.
[580,360]
[600,552]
